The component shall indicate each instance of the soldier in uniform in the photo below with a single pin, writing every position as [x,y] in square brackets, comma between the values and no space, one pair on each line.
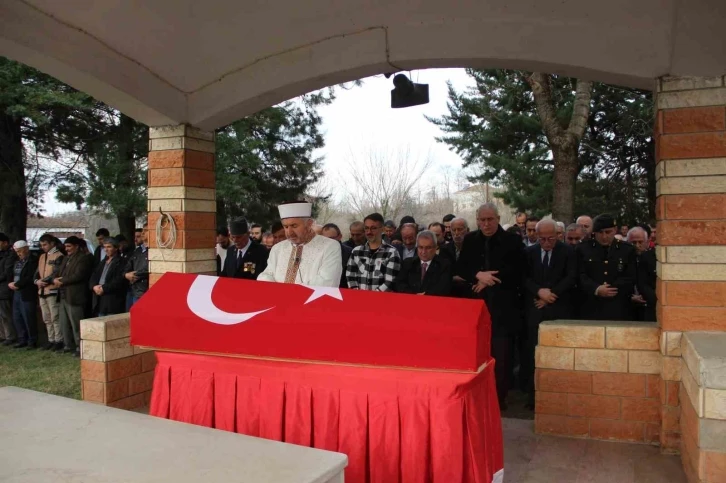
[607,275]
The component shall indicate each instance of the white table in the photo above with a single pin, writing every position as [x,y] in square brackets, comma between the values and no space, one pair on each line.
[47,439]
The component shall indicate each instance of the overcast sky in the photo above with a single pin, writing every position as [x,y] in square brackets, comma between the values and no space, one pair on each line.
[361,120]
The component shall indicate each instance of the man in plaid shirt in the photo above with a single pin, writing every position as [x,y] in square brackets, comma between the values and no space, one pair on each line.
[373,266]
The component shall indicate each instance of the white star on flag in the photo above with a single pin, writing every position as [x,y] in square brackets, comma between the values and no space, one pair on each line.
[322,292]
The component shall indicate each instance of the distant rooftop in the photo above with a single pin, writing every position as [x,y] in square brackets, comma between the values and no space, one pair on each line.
[55,223]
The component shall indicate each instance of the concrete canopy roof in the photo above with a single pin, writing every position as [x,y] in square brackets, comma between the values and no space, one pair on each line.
[208,63]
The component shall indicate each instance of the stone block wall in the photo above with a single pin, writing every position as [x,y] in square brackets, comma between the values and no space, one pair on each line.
[690,137]
[690,140]
[703,407]
[113,372]
[599,380]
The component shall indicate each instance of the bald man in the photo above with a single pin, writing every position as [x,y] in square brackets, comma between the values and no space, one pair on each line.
[586,223]
[644,299]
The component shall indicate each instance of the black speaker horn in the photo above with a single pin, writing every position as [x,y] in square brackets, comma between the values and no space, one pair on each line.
[408,94]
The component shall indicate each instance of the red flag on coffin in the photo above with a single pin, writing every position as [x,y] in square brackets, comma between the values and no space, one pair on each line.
[190,312]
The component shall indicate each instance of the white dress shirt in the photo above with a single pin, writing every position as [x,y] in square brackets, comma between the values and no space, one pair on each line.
[320,263]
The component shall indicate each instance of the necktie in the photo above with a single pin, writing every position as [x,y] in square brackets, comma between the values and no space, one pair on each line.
[424,266]
[293,264]
[239,258]
[546,261]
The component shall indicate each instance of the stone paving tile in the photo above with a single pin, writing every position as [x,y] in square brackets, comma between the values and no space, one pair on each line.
[531,458]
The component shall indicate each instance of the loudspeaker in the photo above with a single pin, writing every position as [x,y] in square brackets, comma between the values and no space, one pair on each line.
[408,94]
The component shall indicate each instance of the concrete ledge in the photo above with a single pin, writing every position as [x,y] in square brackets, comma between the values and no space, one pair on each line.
[705,357]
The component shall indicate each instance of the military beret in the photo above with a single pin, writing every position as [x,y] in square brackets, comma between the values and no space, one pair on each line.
[603,221]
[239,227]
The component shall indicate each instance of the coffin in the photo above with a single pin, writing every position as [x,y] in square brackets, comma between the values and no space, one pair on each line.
[200,313]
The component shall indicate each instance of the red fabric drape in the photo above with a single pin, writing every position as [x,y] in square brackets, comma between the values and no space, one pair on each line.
[395,425]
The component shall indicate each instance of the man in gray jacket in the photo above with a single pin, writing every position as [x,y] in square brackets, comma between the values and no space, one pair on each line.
[75,271]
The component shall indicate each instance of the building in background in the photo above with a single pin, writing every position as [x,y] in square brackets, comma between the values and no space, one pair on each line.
[466,202]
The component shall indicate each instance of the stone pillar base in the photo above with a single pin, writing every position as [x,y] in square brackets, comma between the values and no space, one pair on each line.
[113,372]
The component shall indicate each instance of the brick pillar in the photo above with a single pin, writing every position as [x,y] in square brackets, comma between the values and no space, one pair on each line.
[691,215]
[181,184]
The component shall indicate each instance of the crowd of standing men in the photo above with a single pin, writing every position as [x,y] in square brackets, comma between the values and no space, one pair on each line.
[527,273]
[69,283]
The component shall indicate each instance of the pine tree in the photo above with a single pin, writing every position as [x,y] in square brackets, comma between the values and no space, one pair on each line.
[39,113]
[497,127]
[267,158]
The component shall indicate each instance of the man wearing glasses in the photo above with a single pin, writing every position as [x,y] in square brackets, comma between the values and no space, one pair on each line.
[551,274]
[374,265]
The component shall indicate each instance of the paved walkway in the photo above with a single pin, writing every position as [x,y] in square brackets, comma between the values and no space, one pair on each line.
[531,458]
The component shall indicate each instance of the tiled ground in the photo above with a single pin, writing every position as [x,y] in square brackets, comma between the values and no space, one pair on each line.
[531,458]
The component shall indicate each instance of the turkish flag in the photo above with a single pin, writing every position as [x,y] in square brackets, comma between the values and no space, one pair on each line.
[187,312]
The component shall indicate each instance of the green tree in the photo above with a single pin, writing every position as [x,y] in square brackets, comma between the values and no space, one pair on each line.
[113,178]
[513,127]
[267,158]
[40,114]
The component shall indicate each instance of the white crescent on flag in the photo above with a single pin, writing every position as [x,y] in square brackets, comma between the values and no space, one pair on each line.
[199,300]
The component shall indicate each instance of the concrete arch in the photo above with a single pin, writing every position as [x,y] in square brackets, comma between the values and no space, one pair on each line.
[210,63]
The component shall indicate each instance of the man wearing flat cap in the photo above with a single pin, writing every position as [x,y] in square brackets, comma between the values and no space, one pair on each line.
[607,273]
[304,258]
[244,259]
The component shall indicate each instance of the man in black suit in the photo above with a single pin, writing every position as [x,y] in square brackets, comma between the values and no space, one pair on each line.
[439,230]
[645,298]
[492,261]
[332,231]
[99,254]
[244,259]
[550,276]
[427,273]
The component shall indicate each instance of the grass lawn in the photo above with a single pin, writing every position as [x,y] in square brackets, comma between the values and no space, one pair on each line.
[42,371]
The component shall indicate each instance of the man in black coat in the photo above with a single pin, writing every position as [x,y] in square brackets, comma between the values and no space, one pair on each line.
[550,276]
[136,270]
[25,296]
[332,231]
[493,261]
[607,273]
[7,262]
[99,253]
[244,259]
[644,299]
[427,273]
[108,283]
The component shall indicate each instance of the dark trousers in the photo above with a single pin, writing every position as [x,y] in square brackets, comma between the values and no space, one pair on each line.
[502,354]
[26,319]
[7,327]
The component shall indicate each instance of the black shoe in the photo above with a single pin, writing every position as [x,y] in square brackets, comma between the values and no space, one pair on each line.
[59,346]
[77,353]
[48,346]
[9,342]
[20,345]
[66,350]
[31,347]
